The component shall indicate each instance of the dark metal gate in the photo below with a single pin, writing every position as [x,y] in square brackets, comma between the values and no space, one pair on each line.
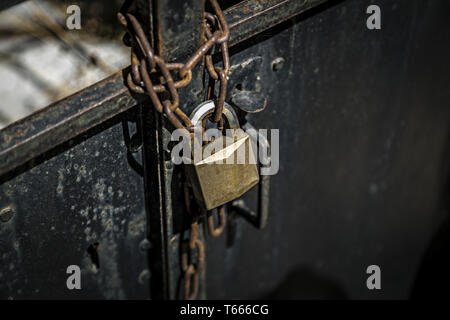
[364,128]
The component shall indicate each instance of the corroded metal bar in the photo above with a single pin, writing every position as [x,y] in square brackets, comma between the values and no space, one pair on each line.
[63,120]
[248,18]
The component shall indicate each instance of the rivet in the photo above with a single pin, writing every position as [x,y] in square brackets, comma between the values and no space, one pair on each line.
[145,245]
[6,214]
[144,276]
[277,64]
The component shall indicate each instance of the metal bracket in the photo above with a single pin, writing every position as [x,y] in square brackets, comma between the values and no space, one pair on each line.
[259,218]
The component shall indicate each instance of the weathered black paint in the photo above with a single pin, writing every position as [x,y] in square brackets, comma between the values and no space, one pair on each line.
[89,193]
[364,155]
[364,131]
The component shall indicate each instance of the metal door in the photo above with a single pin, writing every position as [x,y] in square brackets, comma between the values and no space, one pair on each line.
[363,120]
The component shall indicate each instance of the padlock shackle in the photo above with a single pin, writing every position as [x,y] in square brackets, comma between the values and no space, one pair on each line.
[206,108]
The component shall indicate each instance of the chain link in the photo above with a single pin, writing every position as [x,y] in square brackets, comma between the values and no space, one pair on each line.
[215,232]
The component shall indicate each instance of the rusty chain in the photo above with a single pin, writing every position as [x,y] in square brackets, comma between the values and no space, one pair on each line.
[192,270]
[216,73]
[144,64]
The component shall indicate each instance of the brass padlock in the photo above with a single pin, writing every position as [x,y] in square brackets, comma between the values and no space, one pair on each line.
[214,180]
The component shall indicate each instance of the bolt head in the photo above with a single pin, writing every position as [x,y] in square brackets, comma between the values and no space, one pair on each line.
[277,64]
[145,245]
[6,214]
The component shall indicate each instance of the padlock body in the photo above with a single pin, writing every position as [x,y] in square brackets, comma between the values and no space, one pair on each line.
[216,181]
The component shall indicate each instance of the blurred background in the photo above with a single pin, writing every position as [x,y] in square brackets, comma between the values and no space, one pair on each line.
[41,61]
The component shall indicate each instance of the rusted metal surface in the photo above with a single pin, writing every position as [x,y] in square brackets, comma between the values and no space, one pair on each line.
[23,140]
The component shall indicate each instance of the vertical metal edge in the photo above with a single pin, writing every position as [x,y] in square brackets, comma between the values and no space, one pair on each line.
[171,238]
[174,22]
[151,125]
